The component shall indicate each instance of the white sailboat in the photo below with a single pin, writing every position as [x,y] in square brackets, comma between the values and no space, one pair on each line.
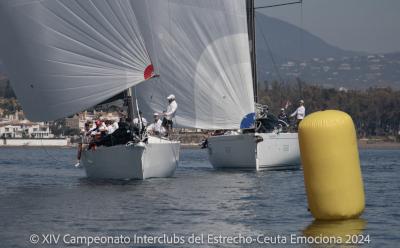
[64,56]
[253,150]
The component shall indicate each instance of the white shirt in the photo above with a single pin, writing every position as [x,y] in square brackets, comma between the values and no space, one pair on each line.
[112,128]
[300,113]
[156,127]
[92,128]
[171,110]
[136,121]
[96,130]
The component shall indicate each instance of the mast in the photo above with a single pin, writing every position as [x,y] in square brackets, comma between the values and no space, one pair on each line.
[138,114]
[251,24]
[131,107]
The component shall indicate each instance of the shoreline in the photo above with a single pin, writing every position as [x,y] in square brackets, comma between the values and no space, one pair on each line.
[362,144]
[183,146]
[367,144]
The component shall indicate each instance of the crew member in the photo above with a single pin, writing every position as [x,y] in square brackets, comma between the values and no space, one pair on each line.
[85,139]
[111,126]
[98,128]
[136,120]
[300,113]
[156,127]
[283,116]
[169,114]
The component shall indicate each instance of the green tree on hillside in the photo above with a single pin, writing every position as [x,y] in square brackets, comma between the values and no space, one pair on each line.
[375,111]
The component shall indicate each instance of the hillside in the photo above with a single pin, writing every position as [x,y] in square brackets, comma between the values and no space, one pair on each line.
[2,70]
[5,89]
[300,54]
[289,42]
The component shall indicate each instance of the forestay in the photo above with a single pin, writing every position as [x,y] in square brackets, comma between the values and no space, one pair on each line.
[200,49]
[67,55]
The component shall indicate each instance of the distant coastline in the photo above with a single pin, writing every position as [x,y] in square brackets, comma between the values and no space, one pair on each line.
[25,142]
[373,144]
[362,144]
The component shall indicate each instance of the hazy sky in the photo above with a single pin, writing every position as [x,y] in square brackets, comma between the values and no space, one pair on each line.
[359,25]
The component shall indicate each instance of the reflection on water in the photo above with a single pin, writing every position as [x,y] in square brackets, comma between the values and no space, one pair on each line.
[342,230]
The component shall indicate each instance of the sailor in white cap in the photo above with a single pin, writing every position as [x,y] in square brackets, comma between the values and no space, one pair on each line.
[300,113]
[156,127]
[283,117]
[136,121]
[170,113]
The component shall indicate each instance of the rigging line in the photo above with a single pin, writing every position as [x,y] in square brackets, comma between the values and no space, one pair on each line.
[139,116]
[270,53]
[278,5]
[302,30]
[58,162]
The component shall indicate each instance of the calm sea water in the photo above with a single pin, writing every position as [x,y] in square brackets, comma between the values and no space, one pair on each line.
[42,193]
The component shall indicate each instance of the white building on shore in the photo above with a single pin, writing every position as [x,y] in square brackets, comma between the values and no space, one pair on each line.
[25,133]
[25,129]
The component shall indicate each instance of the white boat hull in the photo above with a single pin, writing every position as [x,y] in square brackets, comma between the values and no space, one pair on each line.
[157,158]
[255,151]
[278,151]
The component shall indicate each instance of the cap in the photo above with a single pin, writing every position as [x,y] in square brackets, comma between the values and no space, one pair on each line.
[155,114]
[301,101]
[171,97]
[282,109]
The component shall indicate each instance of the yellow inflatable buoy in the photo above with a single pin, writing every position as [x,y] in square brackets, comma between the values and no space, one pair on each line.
[332,173]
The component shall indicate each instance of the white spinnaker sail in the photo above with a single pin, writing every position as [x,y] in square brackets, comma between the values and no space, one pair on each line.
[63,56]
[200,49]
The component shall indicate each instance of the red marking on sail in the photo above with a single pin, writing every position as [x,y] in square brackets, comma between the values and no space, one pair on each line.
[149,72]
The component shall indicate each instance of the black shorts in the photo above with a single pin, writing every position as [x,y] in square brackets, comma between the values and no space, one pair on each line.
[167,123]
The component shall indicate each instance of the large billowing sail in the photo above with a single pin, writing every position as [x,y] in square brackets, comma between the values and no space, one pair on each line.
[200,49]
[67,55]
